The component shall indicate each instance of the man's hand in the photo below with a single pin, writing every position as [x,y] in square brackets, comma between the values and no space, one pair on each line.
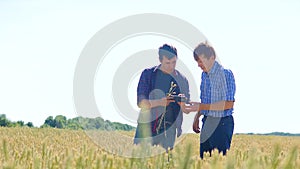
[165,101]
[194,106]
[148,104]
[189,107]
[196,127]
[184,107]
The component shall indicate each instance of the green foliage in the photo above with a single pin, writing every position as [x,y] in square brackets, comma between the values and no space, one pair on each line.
[271,134]
[49,122]
[4,122]
[29,124]
[60,121]
[20,123]
[84,123]
[77,123]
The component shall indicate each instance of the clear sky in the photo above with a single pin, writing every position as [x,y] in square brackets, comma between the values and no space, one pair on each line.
[41,41]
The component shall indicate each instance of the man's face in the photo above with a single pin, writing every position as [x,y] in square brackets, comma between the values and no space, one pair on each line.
[204,63]
[168,65]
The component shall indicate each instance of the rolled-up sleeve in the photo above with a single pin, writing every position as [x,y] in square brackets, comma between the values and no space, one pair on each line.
[230,84]
[143,88]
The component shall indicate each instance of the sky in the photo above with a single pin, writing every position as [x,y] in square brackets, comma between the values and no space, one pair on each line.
[41,42]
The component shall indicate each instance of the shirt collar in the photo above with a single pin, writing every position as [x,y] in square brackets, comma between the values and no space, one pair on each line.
[215,68]
[173,73]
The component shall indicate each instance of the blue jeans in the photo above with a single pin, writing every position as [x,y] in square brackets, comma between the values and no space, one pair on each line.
[165,138]
[216,133]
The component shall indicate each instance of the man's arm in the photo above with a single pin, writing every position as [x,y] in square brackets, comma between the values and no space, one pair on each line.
[148,104]
[196,106]
[221,105]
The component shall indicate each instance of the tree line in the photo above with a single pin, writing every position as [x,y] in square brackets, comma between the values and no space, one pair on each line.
[4,122]
[77,123]
[272,134]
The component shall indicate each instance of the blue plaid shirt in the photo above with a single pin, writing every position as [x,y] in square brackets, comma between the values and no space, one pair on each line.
[147,84]
[217,85]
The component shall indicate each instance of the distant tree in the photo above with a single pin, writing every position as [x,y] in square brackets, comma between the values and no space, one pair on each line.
[128,127]
[118,126]
[3,120]
[20,123]
[60,121]
[49,122]
[7,123]
[108,126]
[29,124]
[99,123]
[73,126]
[85,123]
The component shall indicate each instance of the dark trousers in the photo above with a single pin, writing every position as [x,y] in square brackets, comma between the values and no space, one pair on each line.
[165,137]
[216,133]
[143,133]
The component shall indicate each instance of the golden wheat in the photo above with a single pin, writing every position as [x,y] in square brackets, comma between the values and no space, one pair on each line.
[56,148]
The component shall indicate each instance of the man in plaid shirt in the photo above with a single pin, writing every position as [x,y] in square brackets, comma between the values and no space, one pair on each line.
[160,118]
[217,98]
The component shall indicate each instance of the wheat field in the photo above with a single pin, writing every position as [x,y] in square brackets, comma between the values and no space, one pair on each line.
[57,148]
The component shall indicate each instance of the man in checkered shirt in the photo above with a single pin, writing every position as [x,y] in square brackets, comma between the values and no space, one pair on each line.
[217,98]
